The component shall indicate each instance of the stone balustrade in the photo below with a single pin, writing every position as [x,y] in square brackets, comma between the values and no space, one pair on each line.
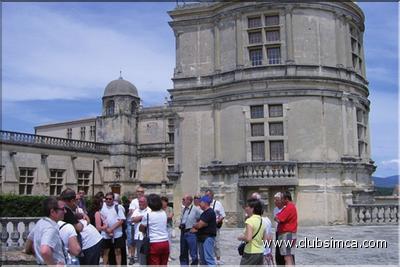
[367,214]
[15,230]
[268,173]
[8,137]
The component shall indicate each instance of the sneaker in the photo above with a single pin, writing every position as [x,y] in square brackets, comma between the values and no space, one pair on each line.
[220,262]
[131,261]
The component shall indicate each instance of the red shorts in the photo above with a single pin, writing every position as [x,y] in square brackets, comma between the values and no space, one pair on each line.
[159,253]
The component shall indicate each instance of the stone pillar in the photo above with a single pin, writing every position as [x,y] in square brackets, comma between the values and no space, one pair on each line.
[239,41]
[340,41]
[347,41]
[217,131]
[289,34]
[217,47]
[344,124]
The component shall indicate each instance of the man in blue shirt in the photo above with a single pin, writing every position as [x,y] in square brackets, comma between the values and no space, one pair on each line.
[206,230]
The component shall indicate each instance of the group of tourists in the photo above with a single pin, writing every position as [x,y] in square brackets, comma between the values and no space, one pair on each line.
[141,230]
[256,246]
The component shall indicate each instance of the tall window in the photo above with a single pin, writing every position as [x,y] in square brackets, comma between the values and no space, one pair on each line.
[272,20]
[256,56]
[92,132]
[356,48]
[269,51]
[133,107]
[69,133]
[272,36]
[171,130]
[257,111]
[255,37]
[171,164]
[26,176]
[258,151]
[276,128]
[254,22]
[362,122]
[1,178]
[274,55]
[110,108]
[257,129]
[83,133]
[56,181]
[276,150]
[83,180]
[275,110]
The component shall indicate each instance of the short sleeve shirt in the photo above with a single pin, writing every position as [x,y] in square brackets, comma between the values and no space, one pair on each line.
[157,226]
[46,232]
[136,213]
[218,208]
[256,244]
[110,217]
[67,231]
[134,204]
[208,216]
[287,219]
[193,217]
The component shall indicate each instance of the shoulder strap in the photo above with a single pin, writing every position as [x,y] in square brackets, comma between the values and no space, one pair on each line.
[62,226]
[147,228]
[258,229]
[116,208]
[214,204]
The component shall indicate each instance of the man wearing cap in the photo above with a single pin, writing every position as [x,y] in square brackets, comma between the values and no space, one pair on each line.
[206,230]
[220,215]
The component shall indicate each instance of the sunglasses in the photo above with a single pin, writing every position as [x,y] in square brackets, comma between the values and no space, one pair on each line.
[63,209]
[139,191]
[109,199]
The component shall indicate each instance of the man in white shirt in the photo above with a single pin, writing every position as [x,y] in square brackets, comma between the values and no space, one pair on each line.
[278,207]
[137,217]
[114,217]
[44,240]
[134,205]
[220,215]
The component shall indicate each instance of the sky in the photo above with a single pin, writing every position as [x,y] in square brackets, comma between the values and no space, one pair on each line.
[57,59]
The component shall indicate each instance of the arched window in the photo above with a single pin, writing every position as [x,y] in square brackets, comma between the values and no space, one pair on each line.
[133,107]
[110,108]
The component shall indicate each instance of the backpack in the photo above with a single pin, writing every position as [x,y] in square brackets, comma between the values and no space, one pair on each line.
[124,224]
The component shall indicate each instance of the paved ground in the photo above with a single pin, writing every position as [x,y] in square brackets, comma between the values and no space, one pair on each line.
[325,256]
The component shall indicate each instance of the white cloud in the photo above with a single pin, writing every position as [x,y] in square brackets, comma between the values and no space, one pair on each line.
[51,56]
[390,162]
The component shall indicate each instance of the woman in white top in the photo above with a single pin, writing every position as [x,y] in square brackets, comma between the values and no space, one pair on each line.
[70,241]
[158,233]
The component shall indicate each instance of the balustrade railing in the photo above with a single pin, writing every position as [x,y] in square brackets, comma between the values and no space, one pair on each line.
[267,170]
[15,230]
[367,214]
[52,142]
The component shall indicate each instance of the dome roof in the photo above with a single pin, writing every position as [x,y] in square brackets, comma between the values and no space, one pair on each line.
[120,87]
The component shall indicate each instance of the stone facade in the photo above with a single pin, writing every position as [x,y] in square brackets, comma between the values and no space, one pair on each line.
[266,97]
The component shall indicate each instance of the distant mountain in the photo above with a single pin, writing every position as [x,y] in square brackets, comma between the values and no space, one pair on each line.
[389,181]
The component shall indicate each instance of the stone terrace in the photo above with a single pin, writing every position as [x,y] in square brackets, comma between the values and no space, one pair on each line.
[325,256]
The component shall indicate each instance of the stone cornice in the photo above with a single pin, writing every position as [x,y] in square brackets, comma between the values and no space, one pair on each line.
[272,72]
[65,123]
[210,13]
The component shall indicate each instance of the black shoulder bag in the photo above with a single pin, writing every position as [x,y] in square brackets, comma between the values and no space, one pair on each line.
[145,248]
[243,244]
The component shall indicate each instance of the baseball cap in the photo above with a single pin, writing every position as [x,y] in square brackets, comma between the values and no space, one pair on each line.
[205,199]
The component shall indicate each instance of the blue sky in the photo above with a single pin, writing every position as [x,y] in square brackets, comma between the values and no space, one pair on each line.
[57,59]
